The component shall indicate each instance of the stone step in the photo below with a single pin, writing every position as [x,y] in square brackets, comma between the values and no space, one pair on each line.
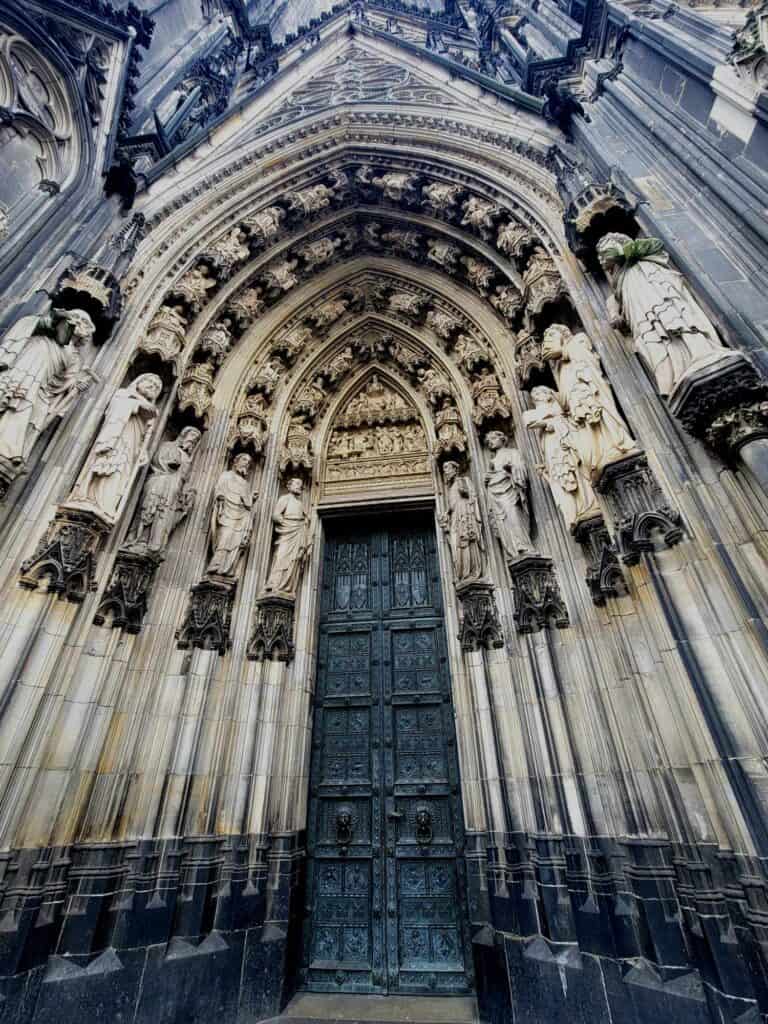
[316,1008]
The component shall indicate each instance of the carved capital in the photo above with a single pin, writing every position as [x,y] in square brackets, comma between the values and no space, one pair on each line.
[538,602]
[716,387]
[66,555]
[209,615]
[741,425]
[272,636]
[604,576]
[478,617]
[638,508]
[126,598]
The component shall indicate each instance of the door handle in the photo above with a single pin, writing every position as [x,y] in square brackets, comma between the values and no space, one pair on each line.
[395,815]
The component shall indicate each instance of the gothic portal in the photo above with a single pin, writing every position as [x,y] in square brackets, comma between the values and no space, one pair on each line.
[383,506]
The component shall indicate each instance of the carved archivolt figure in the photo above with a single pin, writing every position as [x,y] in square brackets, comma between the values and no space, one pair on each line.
[41,376]
[166,499]
[672,333]
[291,541]
[462,524]
[232,517]
[570,487]
[600,432]
[507,485]
[120,450]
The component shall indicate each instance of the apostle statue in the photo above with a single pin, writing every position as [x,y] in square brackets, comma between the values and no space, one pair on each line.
[507,485]
[600,432]
[232,517]
[462,524]
[562,469]
[292,541]
[672,333]
[41,377]
[166,499]
[120,450]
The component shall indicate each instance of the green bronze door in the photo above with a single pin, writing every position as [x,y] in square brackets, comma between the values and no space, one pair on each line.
[386,884]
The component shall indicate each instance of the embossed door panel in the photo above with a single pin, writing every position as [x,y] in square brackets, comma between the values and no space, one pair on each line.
[385,891]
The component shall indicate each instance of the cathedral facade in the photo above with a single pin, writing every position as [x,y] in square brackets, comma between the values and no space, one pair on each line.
[384,495]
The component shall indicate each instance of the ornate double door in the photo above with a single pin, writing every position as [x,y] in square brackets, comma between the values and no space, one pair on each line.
[386,880]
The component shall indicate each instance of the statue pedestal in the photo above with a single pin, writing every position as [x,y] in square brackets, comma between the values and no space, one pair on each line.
[725,404]
[637,507]
[479,625]
[209,615]
[126,598]
[66,555]
[538,601]
[604,576]
[272,636]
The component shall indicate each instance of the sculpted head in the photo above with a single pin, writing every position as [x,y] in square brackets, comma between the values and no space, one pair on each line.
[242,464]
[295,485]
[189,438]
[610,249]
[450,470]
[542,395]
[554,341]
[149,386]
[495,439]
[73,325]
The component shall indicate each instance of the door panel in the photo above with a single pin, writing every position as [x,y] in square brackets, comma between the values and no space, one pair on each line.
[386,875]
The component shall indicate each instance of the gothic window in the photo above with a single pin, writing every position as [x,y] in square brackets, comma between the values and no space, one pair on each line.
[37,138]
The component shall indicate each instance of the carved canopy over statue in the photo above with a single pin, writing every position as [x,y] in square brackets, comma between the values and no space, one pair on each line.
[232,517]
[292,541]
[120,449]
[166,499]
[462,524]
[507,485]
[41,377]
[672,333]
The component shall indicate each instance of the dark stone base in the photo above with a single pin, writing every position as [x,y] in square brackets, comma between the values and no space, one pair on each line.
[208,929]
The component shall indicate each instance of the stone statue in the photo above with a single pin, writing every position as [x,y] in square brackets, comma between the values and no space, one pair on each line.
[462,524]
[600,432]
[120,450]
[291,541]
[507,485]
[232,517]
[41,377]
[166,499]
[672,333]
[570,487]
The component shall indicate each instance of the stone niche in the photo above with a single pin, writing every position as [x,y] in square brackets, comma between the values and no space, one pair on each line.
[377,445]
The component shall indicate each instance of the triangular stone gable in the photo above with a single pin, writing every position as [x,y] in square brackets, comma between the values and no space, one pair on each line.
[358,75]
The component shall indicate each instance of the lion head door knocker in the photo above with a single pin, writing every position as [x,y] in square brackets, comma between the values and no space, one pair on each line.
[345,828]
[423,826]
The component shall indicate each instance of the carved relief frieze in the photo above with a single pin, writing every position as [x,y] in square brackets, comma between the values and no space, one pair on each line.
[376,440]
